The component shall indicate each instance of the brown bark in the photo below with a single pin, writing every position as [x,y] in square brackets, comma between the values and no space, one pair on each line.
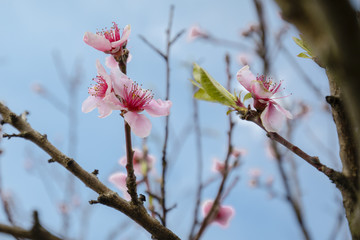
[331,29]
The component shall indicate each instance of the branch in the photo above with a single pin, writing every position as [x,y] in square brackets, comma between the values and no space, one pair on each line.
[166,57]
[37,232]
[106,196]
[338,178]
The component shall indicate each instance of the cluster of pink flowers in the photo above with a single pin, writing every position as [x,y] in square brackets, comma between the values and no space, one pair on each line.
[142,163]
[263,90]
[115,91]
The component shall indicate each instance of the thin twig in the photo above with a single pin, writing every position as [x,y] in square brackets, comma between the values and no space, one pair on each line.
[199,161]
[219,196]
[289,196]
[166,57]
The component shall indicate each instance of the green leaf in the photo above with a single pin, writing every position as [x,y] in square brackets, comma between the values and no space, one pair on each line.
[196,73]
[301,43]
[212,88]
[195,83]
[247,96]
[303,55]
[202,95]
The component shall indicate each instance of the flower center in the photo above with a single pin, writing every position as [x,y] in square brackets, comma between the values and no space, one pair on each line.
[135,98]
[268,83]
[112,35]
[99,90]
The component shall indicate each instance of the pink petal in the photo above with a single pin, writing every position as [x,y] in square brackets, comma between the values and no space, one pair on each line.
[224,216]
[89,104]
[120,81]
[110,62]
[206,207]
[122,161]
[157,108]
[218,166]
[100,69]
[246,77]
[139,123]
[124,37]
[104,109]
[271,118]
[96,41]
[259,91]
[119,180]
[283,110]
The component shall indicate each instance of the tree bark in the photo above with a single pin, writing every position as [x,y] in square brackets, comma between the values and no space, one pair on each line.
[331,29]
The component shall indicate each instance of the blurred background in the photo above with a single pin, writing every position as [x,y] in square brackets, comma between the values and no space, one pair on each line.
[46,69]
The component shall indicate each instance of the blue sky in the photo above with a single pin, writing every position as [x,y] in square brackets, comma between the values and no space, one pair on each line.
[32,31]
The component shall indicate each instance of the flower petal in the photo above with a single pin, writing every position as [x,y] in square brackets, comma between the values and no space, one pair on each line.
[259,91]
[120,81]
[119,180]
[96,41]
[246,77]
[104,109]
[124,37]
[271,118]
[89,104]
[224,216]
[157,108]
[111,63]
[139,123]
[283,110]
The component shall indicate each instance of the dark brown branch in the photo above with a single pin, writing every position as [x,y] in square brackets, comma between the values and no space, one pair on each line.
[37,232]
[335,176]
[106,196]
[131,178]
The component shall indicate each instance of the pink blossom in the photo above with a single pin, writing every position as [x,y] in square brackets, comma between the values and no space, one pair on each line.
[141,165]
[101,95]
[118,92]
[196,32]
[238,152]
[262,90]
[108,41]
[119,180]
[133,100]
[218,166]
[223,216]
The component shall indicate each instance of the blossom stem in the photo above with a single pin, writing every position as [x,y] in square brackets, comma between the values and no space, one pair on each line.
[131,178]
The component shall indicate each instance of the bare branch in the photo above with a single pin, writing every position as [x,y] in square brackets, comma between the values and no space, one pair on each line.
[106,196]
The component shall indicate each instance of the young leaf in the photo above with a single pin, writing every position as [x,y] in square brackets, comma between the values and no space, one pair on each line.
[301,43]
[213,88]
[202,95]
[247,96]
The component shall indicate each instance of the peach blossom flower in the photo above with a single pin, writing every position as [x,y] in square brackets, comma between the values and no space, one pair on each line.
[139,162]
[262,90]
[108,41]
[223,216]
